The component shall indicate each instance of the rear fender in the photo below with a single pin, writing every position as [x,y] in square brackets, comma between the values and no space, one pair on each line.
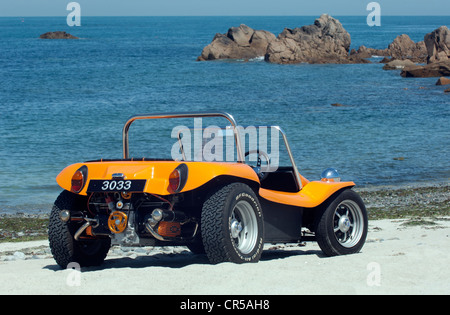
[157,173]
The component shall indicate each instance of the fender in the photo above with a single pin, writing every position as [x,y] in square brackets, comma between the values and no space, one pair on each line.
[312,195]
[156,173]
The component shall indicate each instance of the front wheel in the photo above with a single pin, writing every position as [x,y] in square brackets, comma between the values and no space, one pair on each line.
[232,225]
[342,226]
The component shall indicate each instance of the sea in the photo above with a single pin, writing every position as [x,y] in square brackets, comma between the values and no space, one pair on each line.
[66,101]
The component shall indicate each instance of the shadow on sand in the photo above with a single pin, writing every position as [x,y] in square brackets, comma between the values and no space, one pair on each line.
[180,260]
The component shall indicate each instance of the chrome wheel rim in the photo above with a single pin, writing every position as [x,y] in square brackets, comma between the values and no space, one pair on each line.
[243,227]
[348,223]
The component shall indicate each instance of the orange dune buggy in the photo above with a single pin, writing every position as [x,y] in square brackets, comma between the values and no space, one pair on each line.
[227,210]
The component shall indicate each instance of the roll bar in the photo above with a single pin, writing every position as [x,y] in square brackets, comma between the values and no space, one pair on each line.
[291,157]
[230,118]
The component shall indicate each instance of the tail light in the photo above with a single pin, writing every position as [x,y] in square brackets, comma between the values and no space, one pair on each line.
[178,178]
[174,180]
[79,179]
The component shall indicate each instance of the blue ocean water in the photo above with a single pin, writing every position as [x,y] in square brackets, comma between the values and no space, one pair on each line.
[65,101]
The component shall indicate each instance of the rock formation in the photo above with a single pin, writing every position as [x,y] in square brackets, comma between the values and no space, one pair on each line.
[57,35]
[325,41]
[241,42]
[398,64]
[402,48]
[443,81]
[436,69]
[438,45]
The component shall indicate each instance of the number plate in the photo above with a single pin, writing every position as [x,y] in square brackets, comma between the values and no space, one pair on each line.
[135,185]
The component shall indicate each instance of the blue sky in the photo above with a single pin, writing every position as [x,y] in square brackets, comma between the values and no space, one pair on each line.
[217,8]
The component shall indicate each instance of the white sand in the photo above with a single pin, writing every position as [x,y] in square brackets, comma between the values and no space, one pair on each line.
[395,260]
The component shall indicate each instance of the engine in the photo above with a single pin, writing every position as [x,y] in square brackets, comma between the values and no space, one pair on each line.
[137,219]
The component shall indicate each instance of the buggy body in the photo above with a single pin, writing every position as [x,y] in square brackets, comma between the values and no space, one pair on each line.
[226,210]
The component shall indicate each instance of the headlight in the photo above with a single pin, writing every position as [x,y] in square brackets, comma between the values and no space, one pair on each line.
[330,175]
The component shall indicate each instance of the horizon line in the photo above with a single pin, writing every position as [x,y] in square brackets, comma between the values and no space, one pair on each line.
[307,15]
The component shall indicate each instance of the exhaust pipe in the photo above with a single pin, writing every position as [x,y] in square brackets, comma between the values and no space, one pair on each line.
[89,222]
[159,215]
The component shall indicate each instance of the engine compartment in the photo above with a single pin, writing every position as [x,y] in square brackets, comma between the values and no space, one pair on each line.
[138,219]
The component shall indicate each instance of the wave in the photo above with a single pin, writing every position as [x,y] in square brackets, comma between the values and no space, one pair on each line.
[257,59]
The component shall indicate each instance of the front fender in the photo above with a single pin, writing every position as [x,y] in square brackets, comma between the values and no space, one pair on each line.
[312,194]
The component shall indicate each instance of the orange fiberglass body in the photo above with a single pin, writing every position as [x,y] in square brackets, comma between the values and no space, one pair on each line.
[226,210]
[156,174]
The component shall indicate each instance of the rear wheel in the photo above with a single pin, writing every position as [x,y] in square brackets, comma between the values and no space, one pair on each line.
[65,249]
[232,225]
[342,226]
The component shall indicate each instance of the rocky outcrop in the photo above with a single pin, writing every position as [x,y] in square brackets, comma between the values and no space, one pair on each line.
[325,41]
[57,35]
[398,64]
[241,42]
[402,48]
[436,69]
[365,52]
[443,81]
[438,45]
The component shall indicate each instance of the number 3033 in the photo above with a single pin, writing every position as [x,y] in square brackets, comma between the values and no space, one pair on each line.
[116,185]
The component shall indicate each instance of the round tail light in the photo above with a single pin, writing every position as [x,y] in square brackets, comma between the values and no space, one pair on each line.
[178,178]
[174,180]
[79,179]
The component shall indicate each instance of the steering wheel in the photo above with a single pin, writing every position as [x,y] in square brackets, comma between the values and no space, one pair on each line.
[260,171]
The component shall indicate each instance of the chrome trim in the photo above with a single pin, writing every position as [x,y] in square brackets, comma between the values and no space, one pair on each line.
[230,118]
[330,175]
[81,230]
[118,176]
[64,215]
[153,232]
[85,226]
[348,223]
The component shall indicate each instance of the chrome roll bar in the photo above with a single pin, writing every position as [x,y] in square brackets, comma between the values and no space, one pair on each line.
[230,118]
[291,157]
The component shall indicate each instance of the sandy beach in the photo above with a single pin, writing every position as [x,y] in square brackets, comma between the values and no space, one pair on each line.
[398,258]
